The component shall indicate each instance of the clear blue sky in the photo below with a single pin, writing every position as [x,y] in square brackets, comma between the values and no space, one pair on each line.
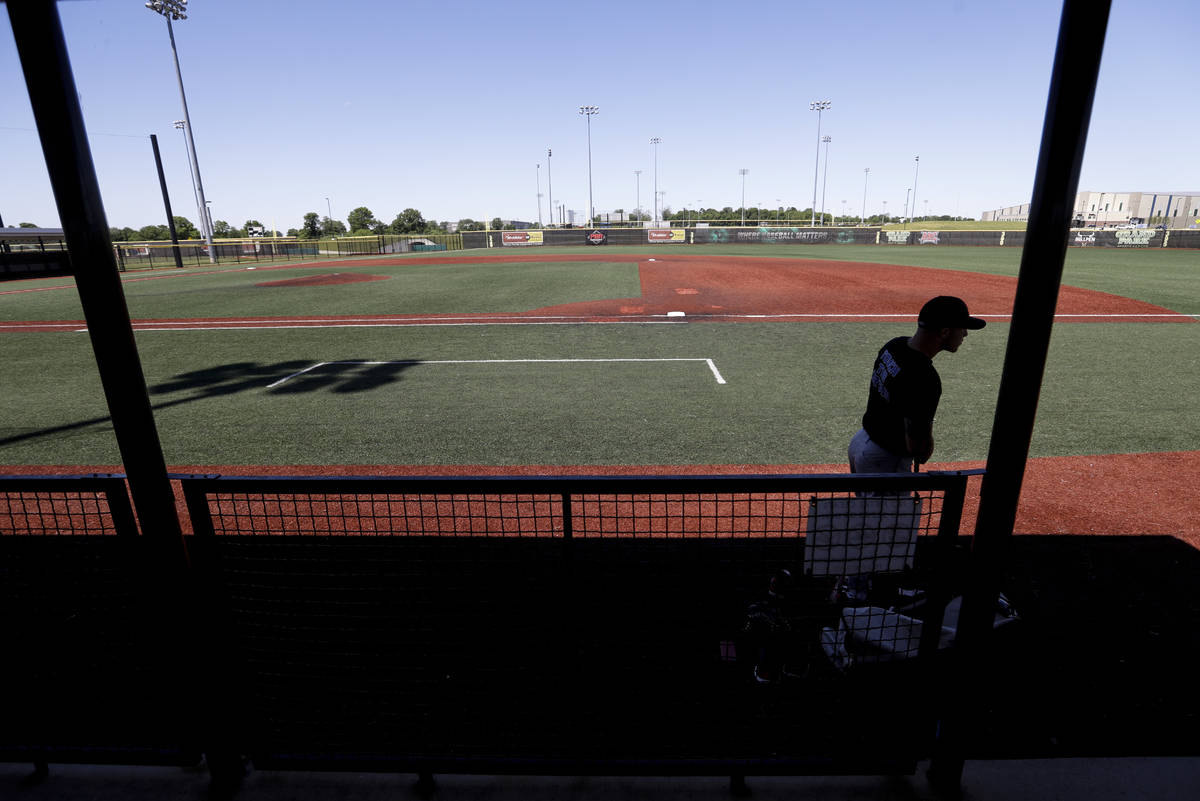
[448,107]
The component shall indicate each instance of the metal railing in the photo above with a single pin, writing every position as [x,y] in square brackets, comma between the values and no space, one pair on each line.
[527,625]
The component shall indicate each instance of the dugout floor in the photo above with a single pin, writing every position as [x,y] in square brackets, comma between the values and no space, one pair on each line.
[1130,779]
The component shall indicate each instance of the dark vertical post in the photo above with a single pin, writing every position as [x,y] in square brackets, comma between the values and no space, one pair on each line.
[1064,136]
[43,54]
[162,182]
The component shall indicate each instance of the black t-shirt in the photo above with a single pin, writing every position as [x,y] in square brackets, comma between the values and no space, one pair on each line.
[903,384]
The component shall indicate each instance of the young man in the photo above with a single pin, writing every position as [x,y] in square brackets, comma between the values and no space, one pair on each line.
[897,428]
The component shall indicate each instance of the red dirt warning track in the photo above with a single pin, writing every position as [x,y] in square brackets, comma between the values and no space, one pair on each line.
[1120,494]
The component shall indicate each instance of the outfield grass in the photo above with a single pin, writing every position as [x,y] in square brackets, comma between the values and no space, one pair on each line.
[794,391]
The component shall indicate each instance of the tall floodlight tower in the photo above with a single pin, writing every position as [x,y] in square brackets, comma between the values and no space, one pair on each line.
[825,177]
[539,194]
[866,175]
[817,106]
[550,186]
[177,10]
[916,171]
[587,112]
[637,185]
[742,172]
[181,126]
[656,141]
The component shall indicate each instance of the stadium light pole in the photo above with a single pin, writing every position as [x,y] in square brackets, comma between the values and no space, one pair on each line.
[176,9]
[906,191]
[587,112]
[843,209]
[637,181]
[866,175]
[825,178]
[329,214]
[549,186]
[743,172]
[817,106]
[656,141]
[539,194]
[916,170]
[182,126]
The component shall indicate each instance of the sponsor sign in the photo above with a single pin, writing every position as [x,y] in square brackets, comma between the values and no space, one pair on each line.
[1134,239]
[929,237]
[597,238]
[665,235]
[782,235]
[1083,240]
[844,238]
[897,237]
[520,238]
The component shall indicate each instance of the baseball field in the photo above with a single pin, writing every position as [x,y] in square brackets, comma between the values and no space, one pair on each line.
[660,359]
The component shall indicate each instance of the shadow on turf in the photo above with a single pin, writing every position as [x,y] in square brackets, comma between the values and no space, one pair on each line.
[237,377]
[229,379]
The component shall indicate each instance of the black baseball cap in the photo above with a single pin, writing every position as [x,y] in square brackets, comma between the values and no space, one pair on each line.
[946,311]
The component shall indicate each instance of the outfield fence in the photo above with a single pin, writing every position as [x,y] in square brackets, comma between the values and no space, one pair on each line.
[545,625]
[680,234]
[158,255]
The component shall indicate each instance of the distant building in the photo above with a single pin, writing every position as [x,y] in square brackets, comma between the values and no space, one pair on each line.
[1107,209]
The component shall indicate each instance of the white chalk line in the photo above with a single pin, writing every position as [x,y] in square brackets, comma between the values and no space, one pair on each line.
[711,365]
[437,322]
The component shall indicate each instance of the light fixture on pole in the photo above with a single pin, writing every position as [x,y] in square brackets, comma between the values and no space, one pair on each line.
[817,106]
[587,112]
[866,175]
[176,10]
[637,182]
[916,171]
[825,178]
[656,141]
[743,172]
[549,186]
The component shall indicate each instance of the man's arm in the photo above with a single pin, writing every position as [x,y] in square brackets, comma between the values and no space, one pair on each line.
[918,437]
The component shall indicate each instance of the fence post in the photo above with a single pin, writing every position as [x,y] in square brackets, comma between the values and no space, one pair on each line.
[1064,136]
[37,31]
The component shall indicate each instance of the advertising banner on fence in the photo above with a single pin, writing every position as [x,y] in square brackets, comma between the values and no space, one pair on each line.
[521,238]
[897,237]
[769,235]
[929,237]
[665,235]
[597,238]
[1137,238]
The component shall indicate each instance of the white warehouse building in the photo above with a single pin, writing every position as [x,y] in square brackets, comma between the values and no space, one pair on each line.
[1108,209]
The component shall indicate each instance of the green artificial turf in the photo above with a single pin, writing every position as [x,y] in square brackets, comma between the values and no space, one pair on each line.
[794,394]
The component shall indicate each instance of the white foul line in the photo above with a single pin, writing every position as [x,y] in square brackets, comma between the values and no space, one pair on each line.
[711,366]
